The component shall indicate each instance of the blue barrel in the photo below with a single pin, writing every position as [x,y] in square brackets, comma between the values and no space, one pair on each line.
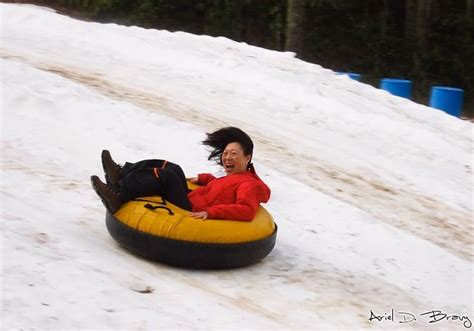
[352,75]
[447,99]
[398,87]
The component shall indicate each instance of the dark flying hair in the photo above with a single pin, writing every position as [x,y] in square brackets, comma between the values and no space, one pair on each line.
[219,139]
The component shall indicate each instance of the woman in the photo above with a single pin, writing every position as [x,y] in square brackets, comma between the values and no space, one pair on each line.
[235,196]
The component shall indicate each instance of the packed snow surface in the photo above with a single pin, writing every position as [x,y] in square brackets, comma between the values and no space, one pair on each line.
[372,193]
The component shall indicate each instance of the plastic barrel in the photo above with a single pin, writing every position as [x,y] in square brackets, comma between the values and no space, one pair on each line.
[447,99]
[352,75]
[398,87]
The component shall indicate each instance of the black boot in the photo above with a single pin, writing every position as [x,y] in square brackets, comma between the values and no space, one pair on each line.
[111,200]
[113,172]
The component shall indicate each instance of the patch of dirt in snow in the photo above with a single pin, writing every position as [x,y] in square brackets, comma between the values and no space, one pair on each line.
[421,215]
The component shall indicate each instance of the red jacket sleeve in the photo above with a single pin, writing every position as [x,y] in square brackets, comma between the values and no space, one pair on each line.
[245,208]
[204,179]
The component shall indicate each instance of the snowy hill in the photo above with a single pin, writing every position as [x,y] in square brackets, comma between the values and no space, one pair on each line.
[372,193]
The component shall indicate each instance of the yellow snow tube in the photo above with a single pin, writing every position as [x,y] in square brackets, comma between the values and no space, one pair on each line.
[159,230]
[151,215]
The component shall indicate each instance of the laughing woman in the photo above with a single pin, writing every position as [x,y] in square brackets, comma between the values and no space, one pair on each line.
[235,196]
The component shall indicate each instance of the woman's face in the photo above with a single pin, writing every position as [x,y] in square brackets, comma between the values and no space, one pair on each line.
[234,160]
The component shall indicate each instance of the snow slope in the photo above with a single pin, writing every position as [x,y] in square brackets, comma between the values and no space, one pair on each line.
[372,193]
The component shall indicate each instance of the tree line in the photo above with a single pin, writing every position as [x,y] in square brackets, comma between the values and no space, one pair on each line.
[430,42]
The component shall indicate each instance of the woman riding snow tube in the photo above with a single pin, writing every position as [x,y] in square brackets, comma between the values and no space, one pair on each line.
[199,222]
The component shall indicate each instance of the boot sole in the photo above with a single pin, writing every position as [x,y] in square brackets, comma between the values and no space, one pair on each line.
[107,178]
[109,182]
[96,189]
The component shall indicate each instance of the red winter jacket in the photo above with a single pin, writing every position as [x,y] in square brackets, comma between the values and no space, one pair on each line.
[232,197]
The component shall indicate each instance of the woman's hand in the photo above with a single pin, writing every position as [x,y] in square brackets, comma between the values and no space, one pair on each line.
[193,180]
[199,214]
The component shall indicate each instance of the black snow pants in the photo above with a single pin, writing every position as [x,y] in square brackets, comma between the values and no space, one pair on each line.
[155,177]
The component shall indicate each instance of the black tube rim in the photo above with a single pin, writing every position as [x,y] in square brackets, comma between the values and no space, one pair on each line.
[188,254]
